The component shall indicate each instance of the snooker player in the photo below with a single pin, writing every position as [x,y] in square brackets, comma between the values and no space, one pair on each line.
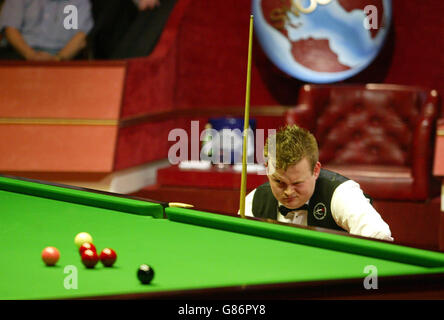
[299,191]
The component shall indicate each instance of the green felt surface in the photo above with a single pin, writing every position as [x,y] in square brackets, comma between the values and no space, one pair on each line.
[184,255]
[361,246]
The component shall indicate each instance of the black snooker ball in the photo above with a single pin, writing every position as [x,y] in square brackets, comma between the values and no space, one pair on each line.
[145,274]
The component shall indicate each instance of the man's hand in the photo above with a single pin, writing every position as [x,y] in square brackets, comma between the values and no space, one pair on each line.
[41,56]
[15,38]
[148,4]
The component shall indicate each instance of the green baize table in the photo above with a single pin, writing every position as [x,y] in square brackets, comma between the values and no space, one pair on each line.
[194,253]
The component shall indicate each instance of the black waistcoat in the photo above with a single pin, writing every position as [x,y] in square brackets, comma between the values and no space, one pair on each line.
[319,206]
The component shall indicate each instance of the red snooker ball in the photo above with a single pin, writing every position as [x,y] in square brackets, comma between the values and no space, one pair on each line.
[87,246]
[108,257]
[50,256]
[90,258]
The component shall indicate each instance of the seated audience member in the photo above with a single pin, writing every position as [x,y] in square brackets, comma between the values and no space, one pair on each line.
[299,191]
[41,30]
[128,28]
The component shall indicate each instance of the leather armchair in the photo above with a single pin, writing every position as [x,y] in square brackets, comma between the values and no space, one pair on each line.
[380,135]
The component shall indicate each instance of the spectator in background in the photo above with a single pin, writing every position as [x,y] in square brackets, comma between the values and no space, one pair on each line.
[35,30]
[128,28]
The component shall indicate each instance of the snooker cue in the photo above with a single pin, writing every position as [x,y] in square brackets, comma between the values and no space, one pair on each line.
[180,205]
[246,125]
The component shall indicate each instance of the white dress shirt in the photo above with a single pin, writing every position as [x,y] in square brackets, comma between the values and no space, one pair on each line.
[350,209]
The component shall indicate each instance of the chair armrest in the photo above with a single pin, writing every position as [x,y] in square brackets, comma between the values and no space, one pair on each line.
[423,144]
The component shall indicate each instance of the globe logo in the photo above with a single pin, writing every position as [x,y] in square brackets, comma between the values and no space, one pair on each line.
[322,41]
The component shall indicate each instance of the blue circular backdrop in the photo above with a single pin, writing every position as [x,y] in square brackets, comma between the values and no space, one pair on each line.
[330,41]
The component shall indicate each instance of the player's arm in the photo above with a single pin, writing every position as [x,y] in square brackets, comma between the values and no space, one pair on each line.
[353,212]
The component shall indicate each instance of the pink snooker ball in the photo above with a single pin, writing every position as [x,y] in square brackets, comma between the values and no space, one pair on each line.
[50,256]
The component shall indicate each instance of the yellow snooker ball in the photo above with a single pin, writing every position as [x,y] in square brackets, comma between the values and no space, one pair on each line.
[81,238]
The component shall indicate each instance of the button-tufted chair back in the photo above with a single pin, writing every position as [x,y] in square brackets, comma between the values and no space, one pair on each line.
[375,128]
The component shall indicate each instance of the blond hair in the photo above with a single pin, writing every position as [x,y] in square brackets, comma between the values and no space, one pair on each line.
[292,145]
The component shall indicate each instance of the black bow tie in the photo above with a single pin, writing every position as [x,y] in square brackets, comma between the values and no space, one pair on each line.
[284,210]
